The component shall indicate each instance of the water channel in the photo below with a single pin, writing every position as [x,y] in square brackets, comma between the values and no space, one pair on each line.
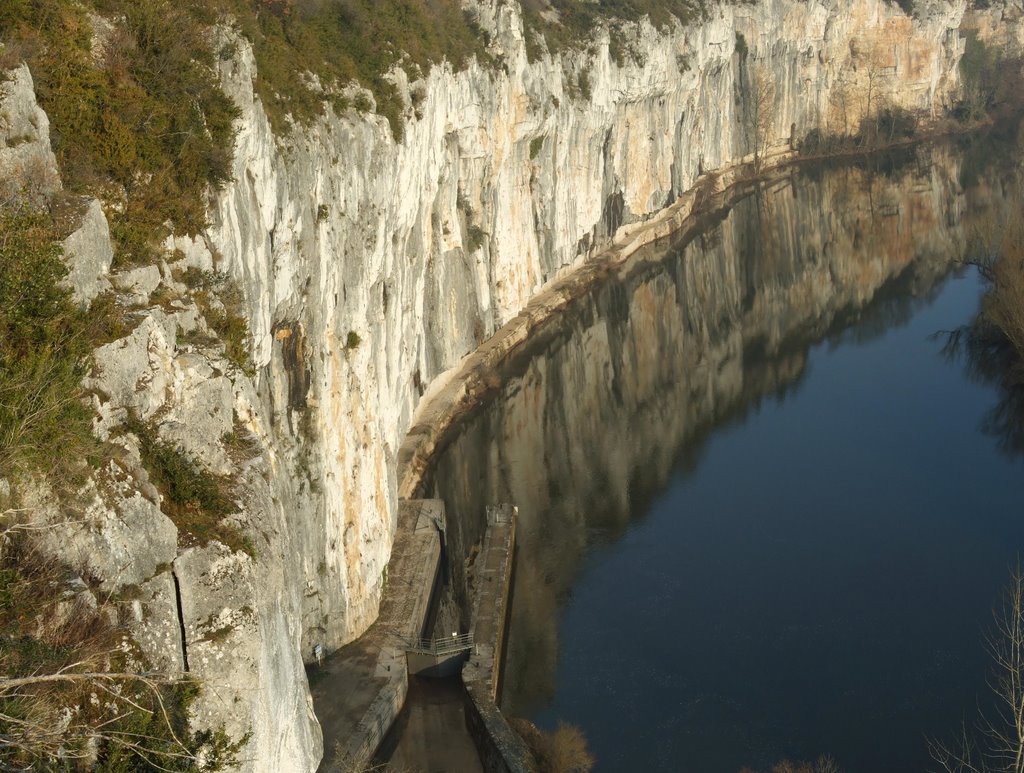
[762,514]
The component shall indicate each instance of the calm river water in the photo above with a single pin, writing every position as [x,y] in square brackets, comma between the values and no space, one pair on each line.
[760,514]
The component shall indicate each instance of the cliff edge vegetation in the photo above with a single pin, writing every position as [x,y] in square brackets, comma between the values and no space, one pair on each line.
[45,343]
[138,119]
[137,114]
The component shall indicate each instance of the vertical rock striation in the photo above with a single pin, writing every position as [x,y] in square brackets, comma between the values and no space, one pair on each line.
[372,266]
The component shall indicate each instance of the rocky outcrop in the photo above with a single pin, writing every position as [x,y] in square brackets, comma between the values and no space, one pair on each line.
[217,613]
[90,252]
[26,157]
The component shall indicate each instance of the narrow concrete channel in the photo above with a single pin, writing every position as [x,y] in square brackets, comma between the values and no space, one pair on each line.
[430,732]
[361,688]
[373,711]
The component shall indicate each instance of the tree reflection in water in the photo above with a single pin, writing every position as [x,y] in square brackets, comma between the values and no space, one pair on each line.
[990,357]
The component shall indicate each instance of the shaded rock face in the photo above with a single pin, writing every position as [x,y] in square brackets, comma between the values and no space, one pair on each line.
[369,267]
[204,609]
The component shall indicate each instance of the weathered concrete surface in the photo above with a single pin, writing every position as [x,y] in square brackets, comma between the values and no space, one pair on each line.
[492,582]
[430,734]
[501,749]
[362,687]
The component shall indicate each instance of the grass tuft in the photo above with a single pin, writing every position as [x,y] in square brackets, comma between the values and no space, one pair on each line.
[137,115]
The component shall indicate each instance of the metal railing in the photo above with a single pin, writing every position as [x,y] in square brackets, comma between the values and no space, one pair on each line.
[444,646]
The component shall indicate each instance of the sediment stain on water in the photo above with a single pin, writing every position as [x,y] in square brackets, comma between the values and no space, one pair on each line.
[758,518]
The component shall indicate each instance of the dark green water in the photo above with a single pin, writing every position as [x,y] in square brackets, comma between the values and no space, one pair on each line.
[759,516]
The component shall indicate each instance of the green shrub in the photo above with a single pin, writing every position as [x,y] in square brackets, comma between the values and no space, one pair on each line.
[165,727]
[146,126]
[195,500]
[584,86]
[475,237]
[577,20]
[195,278]
[44,353]
[345,40]
[536,144]
[240,443]
[232,329]
[108,319]
[741,46]
[222,306]
[139,725]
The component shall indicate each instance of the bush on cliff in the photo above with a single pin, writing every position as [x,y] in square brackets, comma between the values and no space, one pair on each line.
[352,40]
[72,689]
[197,501]
[45,343]
[567,23]
[563,750]
[137,115]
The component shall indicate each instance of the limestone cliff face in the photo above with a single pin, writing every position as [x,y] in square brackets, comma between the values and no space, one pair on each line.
[370,266]
[220,614]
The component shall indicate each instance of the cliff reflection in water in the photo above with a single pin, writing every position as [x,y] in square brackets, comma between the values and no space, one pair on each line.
[593,421]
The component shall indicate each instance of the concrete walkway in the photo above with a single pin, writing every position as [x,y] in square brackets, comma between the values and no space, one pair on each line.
[361,688]
[500,747]
[491,586]
[360,691]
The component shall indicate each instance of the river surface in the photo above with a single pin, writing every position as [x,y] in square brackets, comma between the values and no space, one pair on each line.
[762,514]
